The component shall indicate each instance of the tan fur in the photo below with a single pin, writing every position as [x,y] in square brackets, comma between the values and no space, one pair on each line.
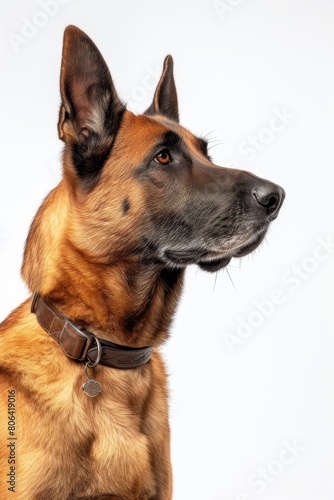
[115,436]
[93,251]
[71,446]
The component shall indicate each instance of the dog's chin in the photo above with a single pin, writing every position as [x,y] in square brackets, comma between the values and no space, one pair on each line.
[214,265]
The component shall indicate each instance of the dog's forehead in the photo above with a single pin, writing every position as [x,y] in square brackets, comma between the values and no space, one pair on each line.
[140,131]
[140,134]
[196,146]
[190,139]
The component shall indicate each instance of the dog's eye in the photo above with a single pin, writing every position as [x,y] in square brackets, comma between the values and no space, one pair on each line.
[164,157]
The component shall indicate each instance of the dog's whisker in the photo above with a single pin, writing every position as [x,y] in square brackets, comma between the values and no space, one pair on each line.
[235,288]
[211,146]
[215,282]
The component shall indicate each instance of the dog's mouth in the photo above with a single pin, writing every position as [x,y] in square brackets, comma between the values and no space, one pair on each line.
[252,245]
[204,259]
[211,261]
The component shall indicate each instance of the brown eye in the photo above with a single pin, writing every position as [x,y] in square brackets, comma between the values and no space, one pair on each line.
[163,157]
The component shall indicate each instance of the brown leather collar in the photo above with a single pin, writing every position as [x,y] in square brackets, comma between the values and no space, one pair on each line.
[82,345]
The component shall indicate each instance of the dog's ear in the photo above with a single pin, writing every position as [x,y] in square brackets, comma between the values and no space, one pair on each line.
[90,112]
[165,97]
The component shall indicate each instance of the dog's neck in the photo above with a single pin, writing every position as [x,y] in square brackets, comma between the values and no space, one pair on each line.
[104,300]
[126,302]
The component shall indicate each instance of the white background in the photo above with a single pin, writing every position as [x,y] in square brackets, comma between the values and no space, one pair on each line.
[240,396]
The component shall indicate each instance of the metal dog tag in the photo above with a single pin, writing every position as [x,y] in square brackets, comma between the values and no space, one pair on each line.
[91,387]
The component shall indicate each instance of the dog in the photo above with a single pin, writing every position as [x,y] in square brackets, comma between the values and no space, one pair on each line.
[80,369]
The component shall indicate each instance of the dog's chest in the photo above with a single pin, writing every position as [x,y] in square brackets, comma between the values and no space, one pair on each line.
[116,449]
[97,445]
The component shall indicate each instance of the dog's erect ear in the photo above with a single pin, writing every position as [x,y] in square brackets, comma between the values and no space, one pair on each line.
[165,97]
[91,111]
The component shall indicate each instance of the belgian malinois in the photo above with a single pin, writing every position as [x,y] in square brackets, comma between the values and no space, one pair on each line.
[82,379]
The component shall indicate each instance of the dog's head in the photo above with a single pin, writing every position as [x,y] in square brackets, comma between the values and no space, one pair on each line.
[144,186]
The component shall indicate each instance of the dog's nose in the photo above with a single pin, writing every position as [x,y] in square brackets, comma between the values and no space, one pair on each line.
[269,196]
